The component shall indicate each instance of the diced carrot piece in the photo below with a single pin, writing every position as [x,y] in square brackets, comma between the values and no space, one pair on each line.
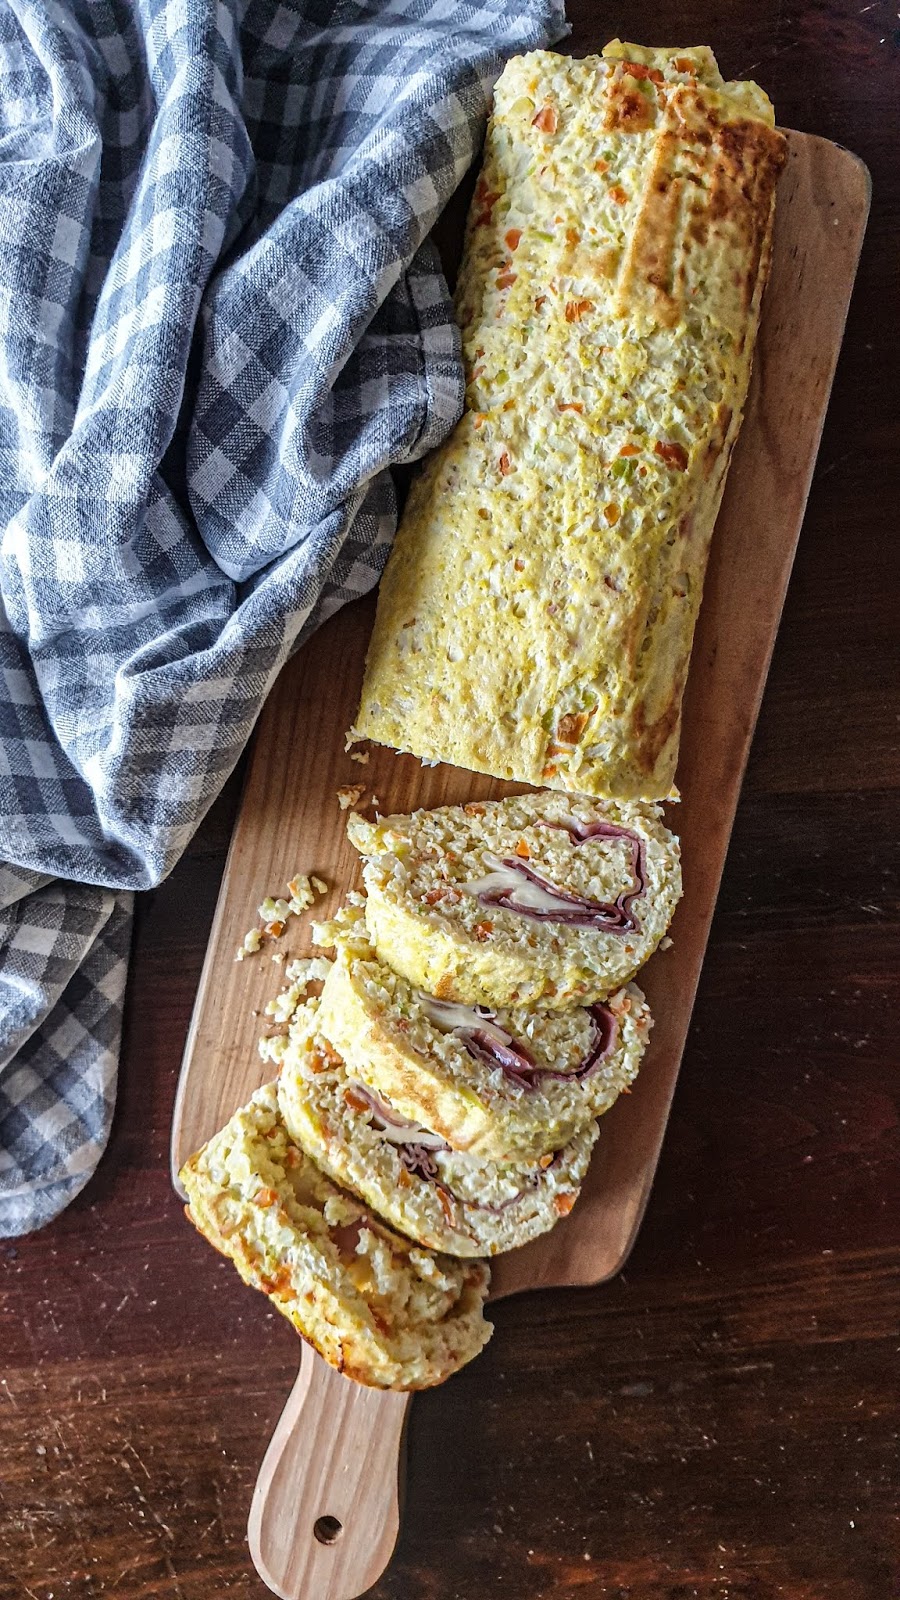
[546,119]
[571,726]
[440,893]
[629,450]
[636,69]
[355,1101]
[278,1284]
[506,280]
[505,465]
[575,309]
[512,238]
[674,455]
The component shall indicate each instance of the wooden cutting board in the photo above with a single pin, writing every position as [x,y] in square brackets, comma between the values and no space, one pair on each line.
[325,1513]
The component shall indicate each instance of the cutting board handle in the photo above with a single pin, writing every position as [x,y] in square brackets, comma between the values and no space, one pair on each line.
[325,1511]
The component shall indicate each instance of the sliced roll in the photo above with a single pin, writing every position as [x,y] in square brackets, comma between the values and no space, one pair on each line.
[505,1084]
[384,1312]
[537,900]
[443,1198]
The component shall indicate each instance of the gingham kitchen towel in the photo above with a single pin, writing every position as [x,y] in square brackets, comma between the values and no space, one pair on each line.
[221,324]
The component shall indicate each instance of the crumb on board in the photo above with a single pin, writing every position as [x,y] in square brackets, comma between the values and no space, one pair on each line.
[350,794]
[345,927]
[271,911]
[301,893]
[301,974]
[308,969]
[362,756]
[275,911]
[666,943]
[252,942]
[273,1046]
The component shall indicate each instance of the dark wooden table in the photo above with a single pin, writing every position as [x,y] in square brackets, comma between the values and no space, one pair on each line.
[720,1422]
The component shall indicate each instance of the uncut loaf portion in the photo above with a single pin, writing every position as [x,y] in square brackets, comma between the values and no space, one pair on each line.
[536,616]
[384,1312]
[503,1084]
[443,1199]
[542,900]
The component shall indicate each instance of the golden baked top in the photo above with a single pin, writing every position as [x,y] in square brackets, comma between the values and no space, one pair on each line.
[537,613]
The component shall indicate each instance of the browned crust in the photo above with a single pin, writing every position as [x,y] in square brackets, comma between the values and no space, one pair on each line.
[651,738]
[709,187]
[628,110]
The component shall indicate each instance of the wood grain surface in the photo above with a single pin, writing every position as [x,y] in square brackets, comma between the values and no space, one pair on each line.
[721,1420]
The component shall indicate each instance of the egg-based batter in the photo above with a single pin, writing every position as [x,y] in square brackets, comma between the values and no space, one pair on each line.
[537,613]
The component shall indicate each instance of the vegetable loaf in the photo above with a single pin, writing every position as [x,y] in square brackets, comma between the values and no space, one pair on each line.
[448,1201]
[536,616]
[538,900]
[503,1084]
[381,1310]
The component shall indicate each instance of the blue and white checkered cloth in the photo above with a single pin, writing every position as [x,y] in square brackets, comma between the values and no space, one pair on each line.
[221,324]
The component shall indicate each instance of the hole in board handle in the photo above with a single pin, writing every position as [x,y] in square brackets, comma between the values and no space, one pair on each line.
[327,1529]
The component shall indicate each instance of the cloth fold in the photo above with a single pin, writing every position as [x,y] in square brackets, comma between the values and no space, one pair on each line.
[221,325]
